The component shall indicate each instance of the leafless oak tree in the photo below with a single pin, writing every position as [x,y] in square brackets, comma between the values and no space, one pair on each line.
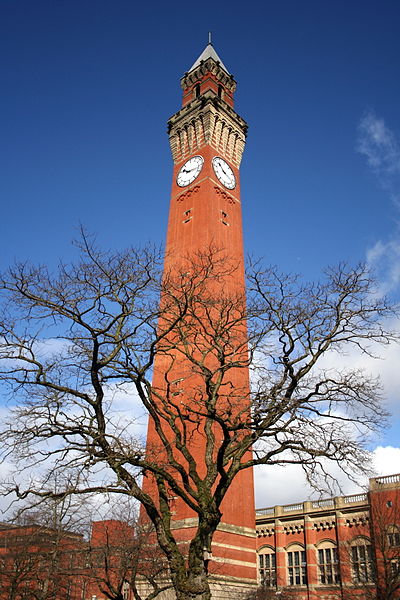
[70,340]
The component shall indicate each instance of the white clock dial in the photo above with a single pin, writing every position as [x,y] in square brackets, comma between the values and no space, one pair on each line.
[189,171]
[224,172]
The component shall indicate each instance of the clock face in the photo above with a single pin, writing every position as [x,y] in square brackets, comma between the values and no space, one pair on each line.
[189,171]
[224,172]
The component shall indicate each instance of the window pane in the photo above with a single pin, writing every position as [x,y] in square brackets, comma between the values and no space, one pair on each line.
[267,569]
[327,566]
[297,572]
[362,563]
[328,555]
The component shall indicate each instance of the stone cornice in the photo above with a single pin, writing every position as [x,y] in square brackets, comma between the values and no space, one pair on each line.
[199,104]
[207,120]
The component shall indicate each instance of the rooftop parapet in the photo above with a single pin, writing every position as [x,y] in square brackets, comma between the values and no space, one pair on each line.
[385,482]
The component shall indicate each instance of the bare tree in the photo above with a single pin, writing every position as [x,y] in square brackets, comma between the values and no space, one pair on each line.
[385,540]
[267,593]
[37,560]
[369,562]
[120,560]
[71,340]
[18,565]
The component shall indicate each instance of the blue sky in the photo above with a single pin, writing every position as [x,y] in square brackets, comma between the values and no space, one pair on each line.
[87,88]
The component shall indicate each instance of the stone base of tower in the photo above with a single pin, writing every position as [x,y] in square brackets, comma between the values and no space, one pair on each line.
[232,564]
[231,588]
[222,588]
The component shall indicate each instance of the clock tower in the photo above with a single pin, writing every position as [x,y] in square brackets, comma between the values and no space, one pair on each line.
[207,139]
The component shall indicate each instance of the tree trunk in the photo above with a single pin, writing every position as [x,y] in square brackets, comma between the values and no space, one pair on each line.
[192,587]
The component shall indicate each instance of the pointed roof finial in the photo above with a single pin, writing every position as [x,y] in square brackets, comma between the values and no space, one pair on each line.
[208,52]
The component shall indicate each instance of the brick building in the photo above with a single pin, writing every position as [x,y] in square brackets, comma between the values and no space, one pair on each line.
[345,547]
[40,563]
[342,547]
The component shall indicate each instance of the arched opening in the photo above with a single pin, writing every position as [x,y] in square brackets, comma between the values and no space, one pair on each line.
[328,563]
[267,566]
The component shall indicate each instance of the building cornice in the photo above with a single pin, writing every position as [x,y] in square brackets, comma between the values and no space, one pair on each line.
[207,121]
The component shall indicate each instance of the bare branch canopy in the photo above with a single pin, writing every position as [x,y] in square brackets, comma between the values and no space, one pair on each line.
[73,341]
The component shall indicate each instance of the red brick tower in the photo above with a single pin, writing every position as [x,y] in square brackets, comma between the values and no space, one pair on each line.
[207,139]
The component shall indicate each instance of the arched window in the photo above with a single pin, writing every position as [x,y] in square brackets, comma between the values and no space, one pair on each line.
[361,560]
[267,566]
[393,536]
[197,90]
[125,590]
[328,568]
[296,565]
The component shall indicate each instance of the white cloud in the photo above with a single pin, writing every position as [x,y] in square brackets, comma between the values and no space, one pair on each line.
[288,485]
[385,366]
[6,472]
[386,460]
[127,411]
[379,145]
[127,419]
[384,260]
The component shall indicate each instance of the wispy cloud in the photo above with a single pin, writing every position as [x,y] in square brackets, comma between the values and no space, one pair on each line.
[381,148]
[384,260]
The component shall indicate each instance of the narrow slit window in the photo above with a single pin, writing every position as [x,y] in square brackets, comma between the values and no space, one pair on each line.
[176,387]
[187,215]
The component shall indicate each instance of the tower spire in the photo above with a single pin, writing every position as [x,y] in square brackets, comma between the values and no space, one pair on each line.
[208,52]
